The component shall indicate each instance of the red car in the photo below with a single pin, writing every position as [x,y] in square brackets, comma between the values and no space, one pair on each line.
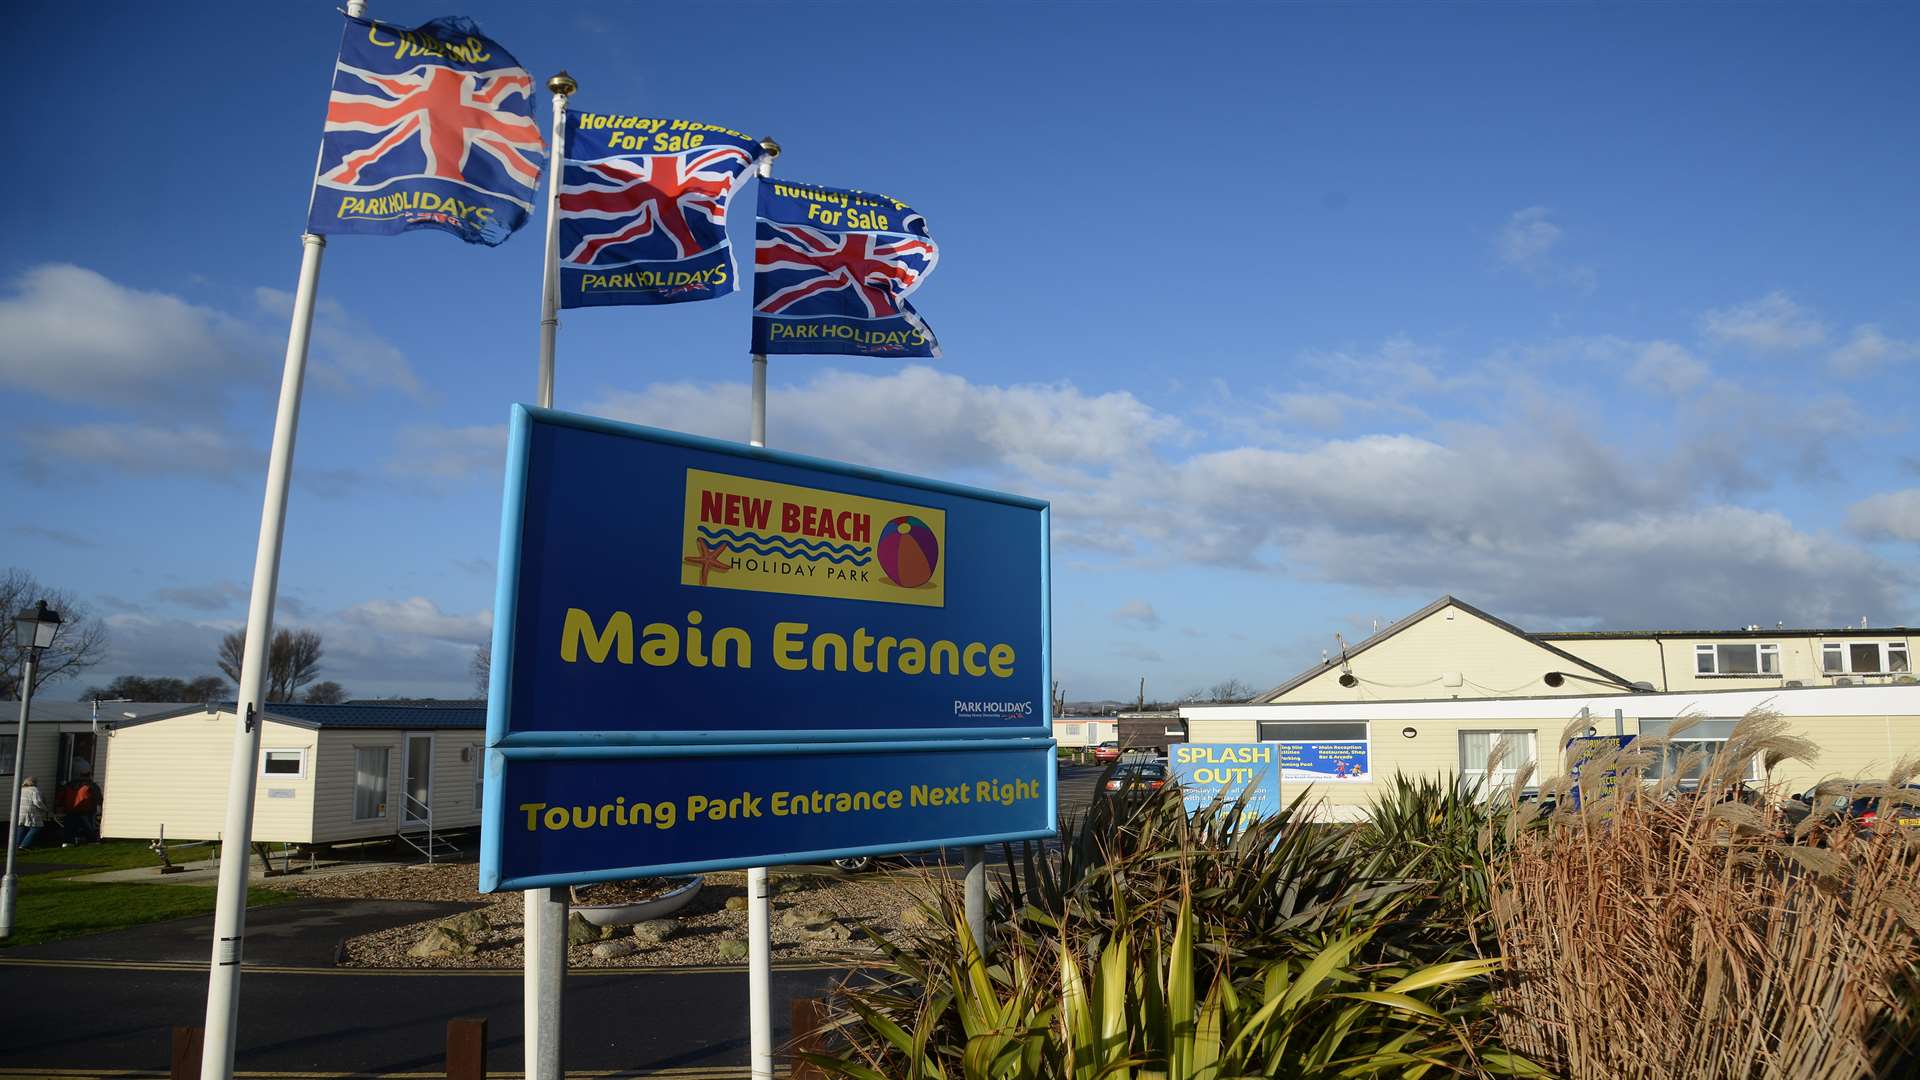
[1107,752]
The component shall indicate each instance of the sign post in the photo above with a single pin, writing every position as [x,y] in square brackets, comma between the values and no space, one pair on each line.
[709,656]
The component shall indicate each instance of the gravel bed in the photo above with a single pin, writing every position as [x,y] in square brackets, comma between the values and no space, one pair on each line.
[874,901]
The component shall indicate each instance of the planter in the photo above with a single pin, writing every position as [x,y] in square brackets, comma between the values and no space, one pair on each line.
[657,908]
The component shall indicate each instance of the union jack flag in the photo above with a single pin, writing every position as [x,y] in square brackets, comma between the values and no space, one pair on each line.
[832,272]
[643,209]
[427,128]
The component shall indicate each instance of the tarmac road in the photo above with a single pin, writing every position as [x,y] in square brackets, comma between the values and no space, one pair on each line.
[106,1005]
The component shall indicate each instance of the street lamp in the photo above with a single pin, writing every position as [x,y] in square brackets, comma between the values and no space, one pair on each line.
[34,631]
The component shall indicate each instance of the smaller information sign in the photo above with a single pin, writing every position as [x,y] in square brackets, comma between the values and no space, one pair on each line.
[1320,762]
[1228,772]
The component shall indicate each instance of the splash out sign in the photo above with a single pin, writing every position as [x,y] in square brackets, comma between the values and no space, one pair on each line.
[708,655]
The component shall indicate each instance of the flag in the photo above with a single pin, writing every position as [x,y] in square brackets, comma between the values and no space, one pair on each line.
[643,209]
[832,270]
[429,128]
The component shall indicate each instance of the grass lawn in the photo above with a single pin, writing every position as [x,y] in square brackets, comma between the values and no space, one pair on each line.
[53,905]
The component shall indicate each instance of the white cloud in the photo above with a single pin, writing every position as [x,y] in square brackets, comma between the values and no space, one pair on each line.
[1869,350]
[917,419]
[71,334]
[136,450]
[346,354]
[420,617]
[1527,237]
[1138,612]
[1774,323]
[1892,515]
[1667,368]
[214,596]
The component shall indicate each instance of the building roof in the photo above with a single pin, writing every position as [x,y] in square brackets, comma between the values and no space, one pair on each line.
[1743,632]
[81,712]
[1347,655]
[355,717]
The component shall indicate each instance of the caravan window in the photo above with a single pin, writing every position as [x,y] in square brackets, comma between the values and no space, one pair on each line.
[288,764]
[369,782]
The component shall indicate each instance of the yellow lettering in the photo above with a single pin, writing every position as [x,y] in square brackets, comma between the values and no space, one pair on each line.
[578,629]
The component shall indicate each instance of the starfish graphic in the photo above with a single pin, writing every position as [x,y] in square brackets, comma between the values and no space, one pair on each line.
[708,560]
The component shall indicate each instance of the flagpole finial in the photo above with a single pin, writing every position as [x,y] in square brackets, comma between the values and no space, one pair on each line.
[562,83]
[771,148]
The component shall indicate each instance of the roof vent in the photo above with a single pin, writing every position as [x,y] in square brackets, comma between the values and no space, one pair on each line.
[1843,682]
[1794,682]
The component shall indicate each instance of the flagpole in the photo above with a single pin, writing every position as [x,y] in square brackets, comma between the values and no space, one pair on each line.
[759,909]
[544,914]
[230,906]
[563,87]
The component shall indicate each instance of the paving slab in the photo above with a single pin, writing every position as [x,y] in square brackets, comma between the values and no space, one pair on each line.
[303,933]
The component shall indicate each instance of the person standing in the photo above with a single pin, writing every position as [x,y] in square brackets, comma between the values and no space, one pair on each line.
[33,813]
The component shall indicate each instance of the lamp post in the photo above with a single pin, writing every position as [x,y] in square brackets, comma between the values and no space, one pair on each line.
[35,629]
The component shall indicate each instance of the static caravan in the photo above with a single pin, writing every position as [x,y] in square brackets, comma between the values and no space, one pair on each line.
[328,774]
[66,739]
[1347,752]
[1075,731]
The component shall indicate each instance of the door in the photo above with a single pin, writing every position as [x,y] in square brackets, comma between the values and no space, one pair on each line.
[417,806]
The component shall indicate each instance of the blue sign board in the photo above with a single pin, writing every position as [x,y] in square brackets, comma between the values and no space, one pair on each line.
[1583,750]
[681,620]
[1321,762]
[1228,773]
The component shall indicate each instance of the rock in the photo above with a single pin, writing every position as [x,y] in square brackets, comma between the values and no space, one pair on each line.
[788,884]
[915,917]
[655,931]
[800,916]
[441,943]
[468,924]
[736,903]
[608,950]
[582,932]
[829,931]
[733,949]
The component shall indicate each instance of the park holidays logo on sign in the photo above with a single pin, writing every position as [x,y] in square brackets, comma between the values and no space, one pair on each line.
[740,533]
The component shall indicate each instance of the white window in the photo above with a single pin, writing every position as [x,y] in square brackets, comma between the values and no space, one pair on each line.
[284,764]
[369,782]
[1736,659]
[6,754]
[1476,750]
[1864,657]
[1707,737]
[1074,731]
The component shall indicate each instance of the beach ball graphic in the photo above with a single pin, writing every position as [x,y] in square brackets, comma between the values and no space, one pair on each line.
[908,552]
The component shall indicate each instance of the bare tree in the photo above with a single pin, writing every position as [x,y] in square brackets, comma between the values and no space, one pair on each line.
[482,667]
[1229,690]
[326,693]
[163,688]
[80,642]
[293,660]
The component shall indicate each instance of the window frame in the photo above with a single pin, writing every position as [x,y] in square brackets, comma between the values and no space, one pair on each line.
[1511,771]
[1884,651]
[386,782]
[479,777]
[1692,738]
[266,755]
[7,744]
[1762,653]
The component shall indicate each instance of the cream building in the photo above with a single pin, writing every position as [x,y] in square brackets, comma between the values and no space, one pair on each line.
[1434,693]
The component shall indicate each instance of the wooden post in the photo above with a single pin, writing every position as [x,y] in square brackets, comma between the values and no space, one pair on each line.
[809,1016]
[467,1049]
[186,1053]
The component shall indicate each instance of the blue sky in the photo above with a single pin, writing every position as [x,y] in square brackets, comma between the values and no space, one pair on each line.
[1301,316]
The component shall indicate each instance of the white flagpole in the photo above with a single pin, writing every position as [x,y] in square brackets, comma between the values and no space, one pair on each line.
[544,916]
[222,1023]
[759,910]
[230,910]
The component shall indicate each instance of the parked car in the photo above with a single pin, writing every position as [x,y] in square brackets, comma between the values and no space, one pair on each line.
[1137,776]
[1107,752]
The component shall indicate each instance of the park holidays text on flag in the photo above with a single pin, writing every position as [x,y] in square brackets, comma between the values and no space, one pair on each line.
[832,270]
[428,128]
[643,209]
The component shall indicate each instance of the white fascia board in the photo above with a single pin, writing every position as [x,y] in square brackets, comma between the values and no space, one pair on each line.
[1810,701]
